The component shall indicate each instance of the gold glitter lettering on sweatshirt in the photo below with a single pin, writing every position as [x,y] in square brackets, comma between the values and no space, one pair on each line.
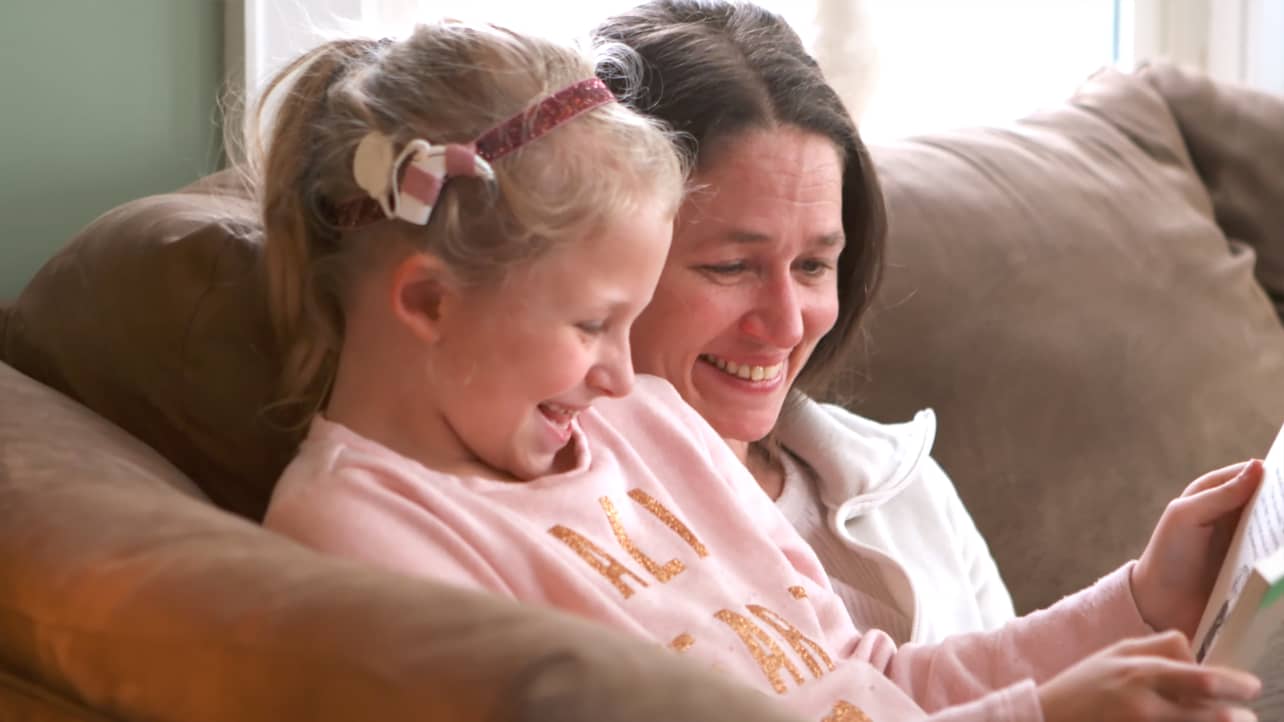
[669,570]
[802,645]
[604,563]
[682,642]
[770,658]
[846,712]
[655,507]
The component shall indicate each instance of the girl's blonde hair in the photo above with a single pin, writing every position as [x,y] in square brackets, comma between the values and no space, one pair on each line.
[446,83]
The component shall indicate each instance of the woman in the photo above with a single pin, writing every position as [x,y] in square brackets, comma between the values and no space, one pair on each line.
[776,253]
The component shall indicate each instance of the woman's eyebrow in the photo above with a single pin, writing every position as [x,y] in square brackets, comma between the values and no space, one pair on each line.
[737,235]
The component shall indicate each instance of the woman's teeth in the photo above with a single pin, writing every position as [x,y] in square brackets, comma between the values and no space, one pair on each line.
[745,371]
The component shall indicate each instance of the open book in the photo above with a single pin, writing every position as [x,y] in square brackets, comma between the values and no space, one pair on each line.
[1243,624]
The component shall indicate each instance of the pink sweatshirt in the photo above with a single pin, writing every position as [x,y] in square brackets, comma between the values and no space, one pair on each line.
[660,530]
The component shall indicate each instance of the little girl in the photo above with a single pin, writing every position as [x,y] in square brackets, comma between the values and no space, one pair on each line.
[460,229]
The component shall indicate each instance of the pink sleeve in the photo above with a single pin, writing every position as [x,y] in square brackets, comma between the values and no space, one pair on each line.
[350,514]
[1034,647]
[1017,703]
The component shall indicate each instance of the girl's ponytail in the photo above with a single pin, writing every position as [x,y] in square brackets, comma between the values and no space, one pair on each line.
[302,294]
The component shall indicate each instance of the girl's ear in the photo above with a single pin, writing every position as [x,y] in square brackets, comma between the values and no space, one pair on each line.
[422,288]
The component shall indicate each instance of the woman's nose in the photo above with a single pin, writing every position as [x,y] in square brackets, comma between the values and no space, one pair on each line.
[776,315]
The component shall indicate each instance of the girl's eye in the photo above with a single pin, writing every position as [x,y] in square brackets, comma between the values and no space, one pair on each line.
[592,328]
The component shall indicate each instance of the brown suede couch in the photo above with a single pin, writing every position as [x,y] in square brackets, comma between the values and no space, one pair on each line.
[1088,297]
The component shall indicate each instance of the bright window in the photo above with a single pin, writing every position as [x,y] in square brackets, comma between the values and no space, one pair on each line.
[943,63]
[902,66]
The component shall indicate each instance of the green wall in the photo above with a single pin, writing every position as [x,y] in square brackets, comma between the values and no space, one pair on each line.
[101,101]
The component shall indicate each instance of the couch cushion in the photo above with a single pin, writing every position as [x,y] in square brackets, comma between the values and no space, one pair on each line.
[121,592]
[1236,141]
[1060,292]
[152,316]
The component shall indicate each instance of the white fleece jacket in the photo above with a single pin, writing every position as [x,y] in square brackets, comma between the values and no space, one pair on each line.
[888,524]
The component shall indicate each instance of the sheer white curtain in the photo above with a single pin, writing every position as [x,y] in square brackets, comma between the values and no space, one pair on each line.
[901,66]
[262,35]
[911,66]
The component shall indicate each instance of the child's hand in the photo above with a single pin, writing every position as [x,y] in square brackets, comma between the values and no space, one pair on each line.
[1175,574]
[1147,680]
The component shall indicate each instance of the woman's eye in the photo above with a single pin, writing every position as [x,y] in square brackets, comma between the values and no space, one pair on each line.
[815,266]
[730,268]
[592,328]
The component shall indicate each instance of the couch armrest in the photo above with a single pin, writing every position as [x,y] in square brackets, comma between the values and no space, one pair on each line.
[21,700]
[120,591]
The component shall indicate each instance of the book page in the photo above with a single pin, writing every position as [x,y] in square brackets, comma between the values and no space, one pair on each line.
[1265,531]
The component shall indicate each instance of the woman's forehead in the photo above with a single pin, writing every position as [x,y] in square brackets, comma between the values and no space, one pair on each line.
[761,191]
[785,149]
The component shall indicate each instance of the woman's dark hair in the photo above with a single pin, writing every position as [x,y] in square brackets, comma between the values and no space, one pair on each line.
[713,69]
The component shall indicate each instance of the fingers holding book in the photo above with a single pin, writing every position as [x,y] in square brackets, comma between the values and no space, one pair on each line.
[1174,577]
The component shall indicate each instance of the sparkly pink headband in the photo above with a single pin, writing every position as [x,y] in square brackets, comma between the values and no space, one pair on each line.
[407,185]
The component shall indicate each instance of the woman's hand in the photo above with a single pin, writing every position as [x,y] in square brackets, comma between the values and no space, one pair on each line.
[1175,574]
[1150,679]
